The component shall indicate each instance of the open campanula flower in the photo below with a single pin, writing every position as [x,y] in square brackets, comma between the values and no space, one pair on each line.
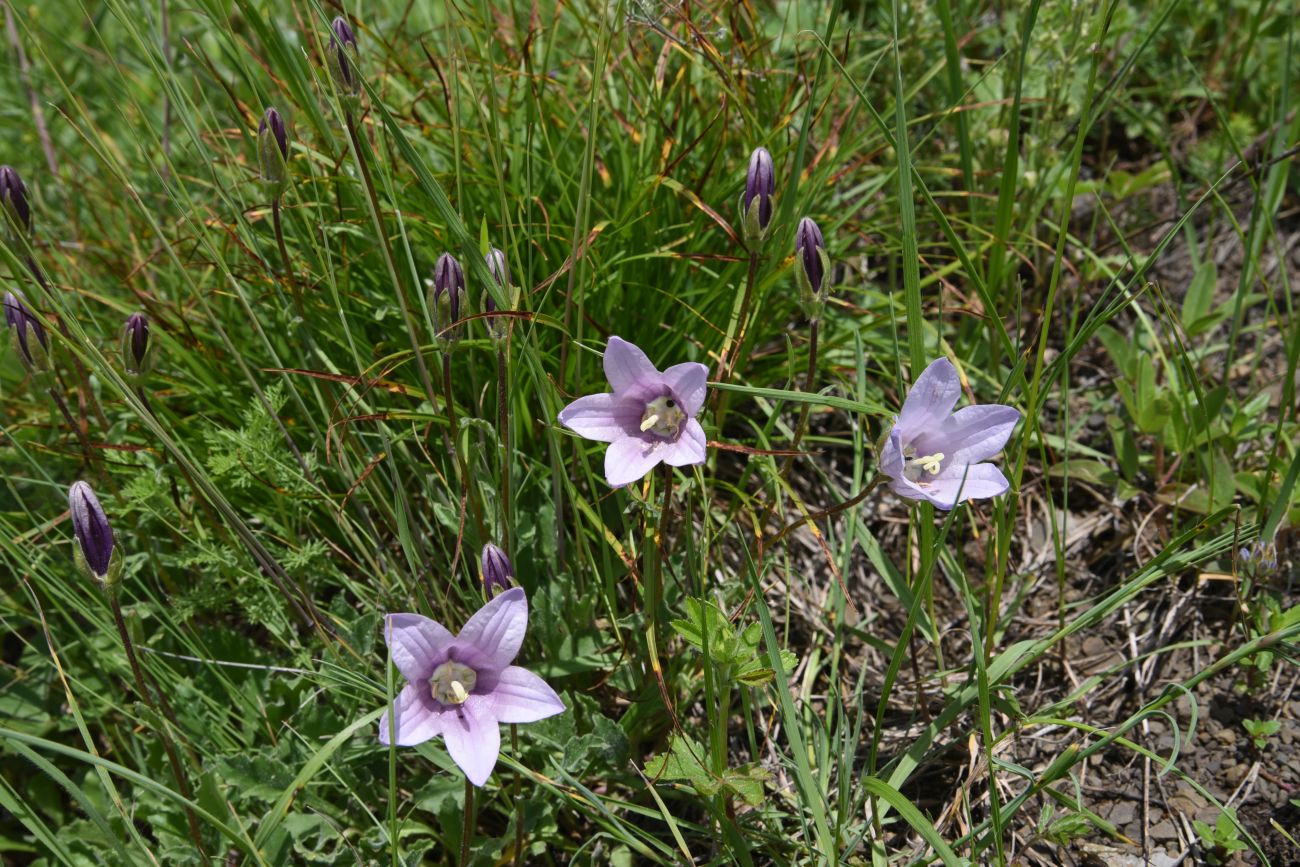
[342,52]
[464,686]
[756,203]
[934,453]
[649,417]
[27,333]
[13,199]
[498,574]
[272,148]
[95,549]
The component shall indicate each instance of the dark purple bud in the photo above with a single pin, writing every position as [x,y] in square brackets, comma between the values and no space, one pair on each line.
[13,198]
[90,527]
[342,49]
[449,284]
[28,331]
[135,344]
[272,147]
[809,245]
[760,183]
[498,574]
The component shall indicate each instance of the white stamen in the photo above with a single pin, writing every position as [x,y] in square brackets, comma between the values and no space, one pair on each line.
[930,463]
[649,422]
[451,682]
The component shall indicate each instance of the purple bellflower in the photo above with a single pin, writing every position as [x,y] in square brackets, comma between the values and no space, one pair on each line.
[13,200]
[498,327]
[812,262]
[272,148]
[342,51]
[464,686]
[934,453]
[136,356]
[648,418]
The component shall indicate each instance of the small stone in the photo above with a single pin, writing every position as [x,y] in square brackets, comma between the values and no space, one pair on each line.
[1122,813]
[1164,831]
[1226,736]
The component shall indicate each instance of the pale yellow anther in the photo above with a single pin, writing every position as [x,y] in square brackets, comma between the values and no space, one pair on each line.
[458,692]
[930,463]
[663,417]
[649,422]
[451,682]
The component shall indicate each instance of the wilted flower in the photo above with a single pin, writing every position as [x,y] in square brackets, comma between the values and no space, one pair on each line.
[756,203]
[498,574]
[136,356]
[13,199]
[649,417]
[27,333]
[934,454]
[342,58]
[812,262]
[272,148]
[463,687]
[448,296]
[96,553]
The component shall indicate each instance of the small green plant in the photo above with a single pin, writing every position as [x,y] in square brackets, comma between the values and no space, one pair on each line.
[1220,839]
[1261,730]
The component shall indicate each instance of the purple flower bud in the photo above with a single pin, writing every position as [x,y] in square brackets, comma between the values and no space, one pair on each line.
[760,184]
[27,331]
[448,295]
[135,344]
[496,262]
[342,51]
[90,527]
[13,198]
[811,249]
[498,574]
[272,147]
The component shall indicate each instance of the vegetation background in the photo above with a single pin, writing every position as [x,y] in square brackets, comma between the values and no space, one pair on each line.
[1090,207]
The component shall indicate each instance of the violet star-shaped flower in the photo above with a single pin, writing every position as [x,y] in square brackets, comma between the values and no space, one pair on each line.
[934,453]
[462,687]
[649,417]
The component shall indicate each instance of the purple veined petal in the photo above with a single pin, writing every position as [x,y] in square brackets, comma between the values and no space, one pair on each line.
[689,382]
[970,435]
[473,737]
[523,697]
[973,482]
[627,368]
[418,644]
[490,639]
[630,458]
[689,448]
[602,417]
[930,399]
[418,716]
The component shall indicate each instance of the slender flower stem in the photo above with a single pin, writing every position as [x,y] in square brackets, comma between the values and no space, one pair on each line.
[727,361]
[467,832]
[72,423]
[503,434]
[459,458]
[147,697]
[802,427]
[519,801]
[285,263]
[652,569]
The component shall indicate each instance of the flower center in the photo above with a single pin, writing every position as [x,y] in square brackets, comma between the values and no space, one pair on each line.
[451,682]
[662,417]
[916,466]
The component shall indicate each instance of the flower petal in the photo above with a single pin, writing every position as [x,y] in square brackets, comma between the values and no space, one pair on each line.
[689,382]
[688,449]
[489,641]
[893,464]
[522,697]
[970,435]
[981,482]
[627,368]
[418,644]
[630,458]
[473,738]
[418,716]
[930,399]
[601,417]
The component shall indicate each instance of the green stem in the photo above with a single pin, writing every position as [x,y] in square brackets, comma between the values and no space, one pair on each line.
[731,352]
[456,454]
[519,801]
[503,435]
[467,832]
